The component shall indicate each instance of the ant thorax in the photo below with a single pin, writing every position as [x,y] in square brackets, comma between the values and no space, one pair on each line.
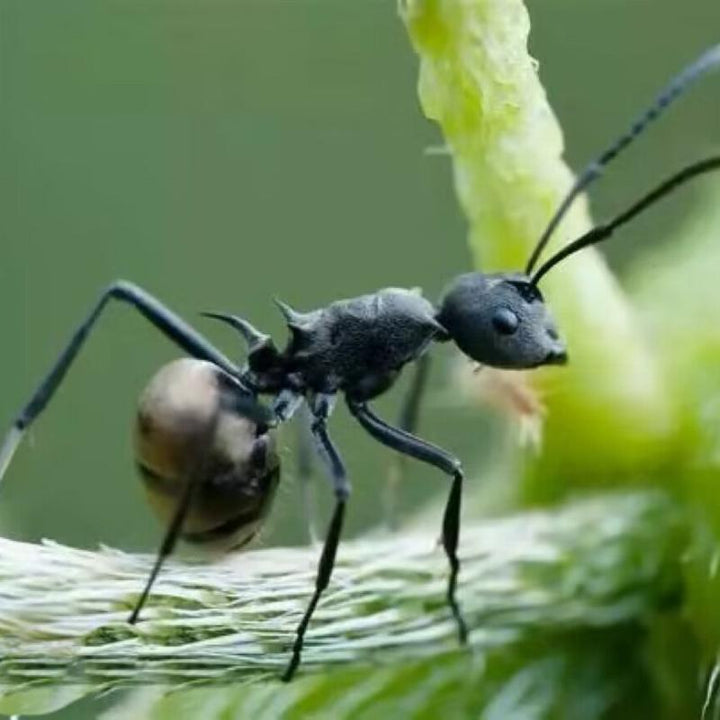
[359,345]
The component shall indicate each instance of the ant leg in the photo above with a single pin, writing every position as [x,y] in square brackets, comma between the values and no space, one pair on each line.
[304,465]
[408,444]
[170,324]
[336,468]
[286,404]
[408,421]
[194,479]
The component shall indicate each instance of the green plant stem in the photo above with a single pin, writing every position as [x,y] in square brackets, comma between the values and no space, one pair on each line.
[478,81]
[595,563]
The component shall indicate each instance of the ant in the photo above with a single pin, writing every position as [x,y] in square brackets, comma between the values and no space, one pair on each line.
[205,442]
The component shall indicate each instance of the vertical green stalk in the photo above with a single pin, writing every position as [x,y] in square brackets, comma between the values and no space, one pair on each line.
[608,413]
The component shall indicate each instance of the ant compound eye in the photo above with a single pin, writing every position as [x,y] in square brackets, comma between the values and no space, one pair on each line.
[505,321]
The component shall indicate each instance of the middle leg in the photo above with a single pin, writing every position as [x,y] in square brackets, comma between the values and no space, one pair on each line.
[407,444]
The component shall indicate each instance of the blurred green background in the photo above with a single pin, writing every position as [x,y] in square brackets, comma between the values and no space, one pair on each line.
[222,153]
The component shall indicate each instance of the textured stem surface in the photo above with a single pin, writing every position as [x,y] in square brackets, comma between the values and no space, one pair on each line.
[63,611]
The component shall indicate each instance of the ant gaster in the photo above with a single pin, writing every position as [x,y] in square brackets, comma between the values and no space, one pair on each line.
[355,348]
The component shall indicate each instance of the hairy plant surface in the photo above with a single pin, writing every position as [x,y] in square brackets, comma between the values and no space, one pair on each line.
[567,576]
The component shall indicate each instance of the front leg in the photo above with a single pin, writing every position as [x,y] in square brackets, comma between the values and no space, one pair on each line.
[321,408]
[408,444]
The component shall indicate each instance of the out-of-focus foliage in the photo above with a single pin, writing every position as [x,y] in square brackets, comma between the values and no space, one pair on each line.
[677,293]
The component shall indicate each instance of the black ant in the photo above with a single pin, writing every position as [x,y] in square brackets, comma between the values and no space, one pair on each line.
[205,442]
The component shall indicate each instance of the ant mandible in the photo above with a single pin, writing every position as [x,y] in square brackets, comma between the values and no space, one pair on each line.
[205,444]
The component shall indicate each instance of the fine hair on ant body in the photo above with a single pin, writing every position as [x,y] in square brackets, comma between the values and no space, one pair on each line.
[205,443]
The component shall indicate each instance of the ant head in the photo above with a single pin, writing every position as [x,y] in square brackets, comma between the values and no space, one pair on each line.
[501,320]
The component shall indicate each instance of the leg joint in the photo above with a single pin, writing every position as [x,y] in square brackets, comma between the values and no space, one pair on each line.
[123,287]
[343,490]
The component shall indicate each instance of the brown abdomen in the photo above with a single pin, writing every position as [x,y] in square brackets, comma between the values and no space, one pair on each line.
[187,423]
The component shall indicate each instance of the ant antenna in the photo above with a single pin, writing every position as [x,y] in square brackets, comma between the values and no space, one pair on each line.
[604,231]
[706,62]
